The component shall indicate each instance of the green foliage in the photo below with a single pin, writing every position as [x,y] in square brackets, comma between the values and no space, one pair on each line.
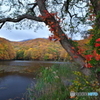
[46,57]
[88,52]
[94,62]
[53,84]
[97,70]
[20,54]
[74,43]
[93,40]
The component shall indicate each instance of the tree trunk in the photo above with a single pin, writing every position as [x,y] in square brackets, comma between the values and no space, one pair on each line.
[63,39]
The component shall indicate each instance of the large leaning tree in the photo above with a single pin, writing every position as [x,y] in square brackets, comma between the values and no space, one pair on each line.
[61,17]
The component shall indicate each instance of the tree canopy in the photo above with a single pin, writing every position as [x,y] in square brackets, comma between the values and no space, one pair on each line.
[72,15]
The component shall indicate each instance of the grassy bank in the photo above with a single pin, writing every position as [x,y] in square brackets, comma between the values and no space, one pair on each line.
[56,83]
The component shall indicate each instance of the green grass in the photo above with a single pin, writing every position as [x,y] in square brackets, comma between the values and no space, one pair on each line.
[56,83]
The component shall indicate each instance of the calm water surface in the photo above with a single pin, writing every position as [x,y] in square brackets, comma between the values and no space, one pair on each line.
[29,63]
[14,86]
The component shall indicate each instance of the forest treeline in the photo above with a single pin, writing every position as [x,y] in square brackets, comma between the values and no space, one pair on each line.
[39,49]
[7,51]
[36,49]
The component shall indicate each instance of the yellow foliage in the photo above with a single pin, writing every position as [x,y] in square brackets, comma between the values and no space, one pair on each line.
[7,51]
[40,49]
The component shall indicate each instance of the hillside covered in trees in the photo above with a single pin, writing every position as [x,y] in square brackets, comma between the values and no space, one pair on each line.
[7,51]
[37,49]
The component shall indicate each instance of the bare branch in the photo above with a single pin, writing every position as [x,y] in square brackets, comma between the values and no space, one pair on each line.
[32,8]
[66,7]
[21,17]
[66,4]
[2,25]
[57,2]
[20,3]
[32,3]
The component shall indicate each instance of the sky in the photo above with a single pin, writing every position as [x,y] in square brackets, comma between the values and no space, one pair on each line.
[19,35]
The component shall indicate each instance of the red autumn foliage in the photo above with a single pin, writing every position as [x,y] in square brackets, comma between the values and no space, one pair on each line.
[54,38]
[98,40]
[88,57]
[89,65]
[49,15]
[50,38]
[94,53]
[51,29]
[97,44]
[97,57]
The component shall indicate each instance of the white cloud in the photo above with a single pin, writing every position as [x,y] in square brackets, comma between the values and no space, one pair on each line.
[17,35]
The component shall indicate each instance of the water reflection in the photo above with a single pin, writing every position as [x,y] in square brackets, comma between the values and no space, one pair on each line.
[14,86]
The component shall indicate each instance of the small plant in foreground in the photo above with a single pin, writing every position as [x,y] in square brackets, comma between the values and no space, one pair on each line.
[56,83]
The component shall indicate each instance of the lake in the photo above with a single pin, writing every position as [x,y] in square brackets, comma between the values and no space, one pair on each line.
[14,86]
[16,76]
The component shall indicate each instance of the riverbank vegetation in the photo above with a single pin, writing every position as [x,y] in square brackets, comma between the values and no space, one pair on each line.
[56,83]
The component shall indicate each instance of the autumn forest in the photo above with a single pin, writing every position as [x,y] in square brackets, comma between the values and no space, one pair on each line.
[37,49]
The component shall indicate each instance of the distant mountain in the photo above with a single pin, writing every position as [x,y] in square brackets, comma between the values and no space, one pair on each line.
[31,43]
[31,39]
[25,40]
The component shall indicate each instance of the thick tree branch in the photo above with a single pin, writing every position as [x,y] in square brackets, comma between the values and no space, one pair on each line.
[21,17]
